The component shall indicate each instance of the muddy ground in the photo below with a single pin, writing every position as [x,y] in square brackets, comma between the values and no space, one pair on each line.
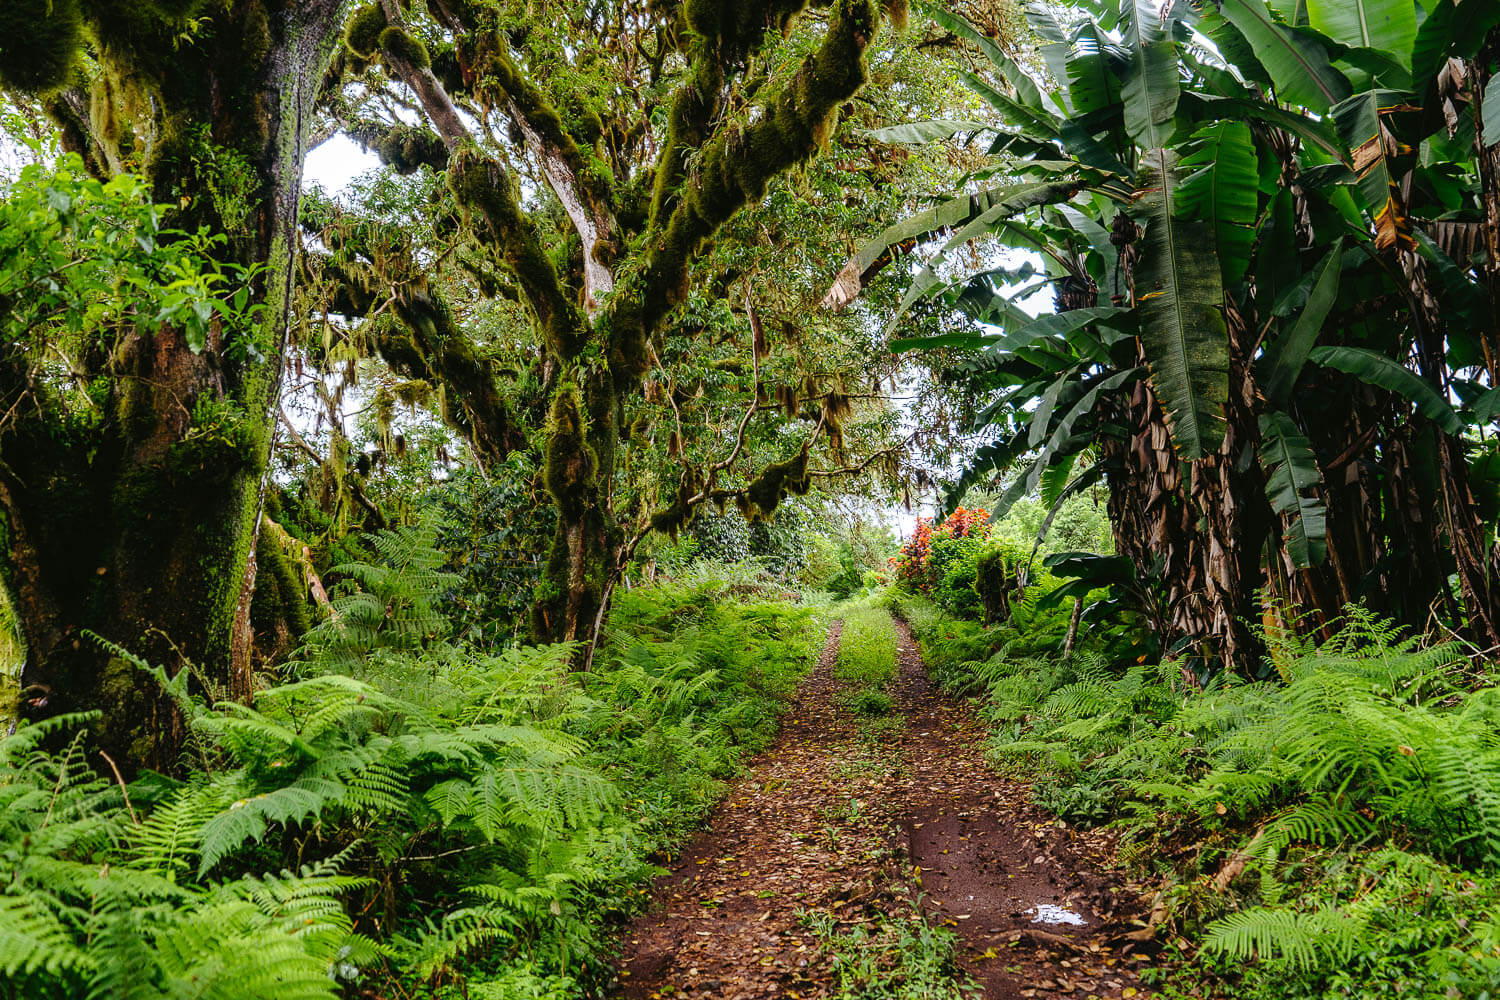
[855,818]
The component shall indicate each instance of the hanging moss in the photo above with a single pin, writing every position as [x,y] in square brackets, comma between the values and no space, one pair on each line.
[363,34]
[39,43]
[280,593]
[837,407]
[766,491]
[681,512]
[397,42]
[407,148]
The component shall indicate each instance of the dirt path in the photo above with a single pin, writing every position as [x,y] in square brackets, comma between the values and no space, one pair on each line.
[846,817]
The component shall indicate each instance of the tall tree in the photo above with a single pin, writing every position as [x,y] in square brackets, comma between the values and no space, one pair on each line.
[596,212]
[136,517]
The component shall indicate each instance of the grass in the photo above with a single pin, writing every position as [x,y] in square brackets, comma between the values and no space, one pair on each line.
[866,662]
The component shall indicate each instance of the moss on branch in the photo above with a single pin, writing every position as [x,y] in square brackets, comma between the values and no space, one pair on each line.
[404,148]
[401,44]
[39,43]
[766,491]
[719,36]
[362,34]
[735,167]
[482,188]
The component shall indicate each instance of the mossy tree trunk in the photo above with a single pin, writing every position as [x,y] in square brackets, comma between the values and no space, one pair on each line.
[140,526]
[596,316]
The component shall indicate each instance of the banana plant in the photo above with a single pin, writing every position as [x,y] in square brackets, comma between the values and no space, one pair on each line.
[1275,324]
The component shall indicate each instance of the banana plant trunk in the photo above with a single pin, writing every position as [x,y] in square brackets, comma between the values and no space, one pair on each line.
[1195,530]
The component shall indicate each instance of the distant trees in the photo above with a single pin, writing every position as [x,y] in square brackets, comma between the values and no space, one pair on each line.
[1272,233]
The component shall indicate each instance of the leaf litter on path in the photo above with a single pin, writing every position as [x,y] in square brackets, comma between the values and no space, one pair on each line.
[852,821]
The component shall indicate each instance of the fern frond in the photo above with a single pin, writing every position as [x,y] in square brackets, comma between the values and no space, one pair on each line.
[1302,940]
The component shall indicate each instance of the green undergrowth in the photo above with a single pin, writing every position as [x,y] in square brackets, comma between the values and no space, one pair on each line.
[866,663]
[433,821]
[1333,832]
[896,956]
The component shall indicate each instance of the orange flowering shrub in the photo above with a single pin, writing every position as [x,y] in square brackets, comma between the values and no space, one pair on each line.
[913,565]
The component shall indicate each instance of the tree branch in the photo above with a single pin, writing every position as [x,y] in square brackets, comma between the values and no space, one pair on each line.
[579,185]
[440,108]
[735,167]
[481,184]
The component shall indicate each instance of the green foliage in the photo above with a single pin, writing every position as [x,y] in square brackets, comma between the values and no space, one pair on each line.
[955,562]
[894,957]
[1352,801]
[91,909]
[39,43]
[85,264]
[490,813]
[389,605]
[496,533]
[779,544]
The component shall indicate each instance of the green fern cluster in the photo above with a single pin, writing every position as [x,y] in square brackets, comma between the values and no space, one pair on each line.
[96,905]
[445,815]
[693,683]
[389,606]
[1352,802]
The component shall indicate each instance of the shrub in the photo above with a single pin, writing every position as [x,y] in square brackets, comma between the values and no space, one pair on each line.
[913,564]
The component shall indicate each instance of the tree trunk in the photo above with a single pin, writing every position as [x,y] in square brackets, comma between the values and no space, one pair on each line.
[140,530]
[583,565]
[1194,532]
[1477,561]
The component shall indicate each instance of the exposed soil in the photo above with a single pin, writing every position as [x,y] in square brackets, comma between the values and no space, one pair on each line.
[849,818]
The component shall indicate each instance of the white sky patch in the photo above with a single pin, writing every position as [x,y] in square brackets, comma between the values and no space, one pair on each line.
[335,163]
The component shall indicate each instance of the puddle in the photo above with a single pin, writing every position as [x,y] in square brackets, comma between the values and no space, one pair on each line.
[1047,913]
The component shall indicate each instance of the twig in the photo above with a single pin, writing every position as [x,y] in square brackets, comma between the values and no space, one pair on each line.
[123,791]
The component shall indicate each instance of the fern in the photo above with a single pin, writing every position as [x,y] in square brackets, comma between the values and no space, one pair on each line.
[1302,940]
[440,773]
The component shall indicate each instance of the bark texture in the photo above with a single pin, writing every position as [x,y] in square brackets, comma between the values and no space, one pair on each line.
[141,528]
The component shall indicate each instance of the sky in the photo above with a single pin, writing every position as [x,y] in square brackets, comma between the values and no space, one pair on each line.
[337,162]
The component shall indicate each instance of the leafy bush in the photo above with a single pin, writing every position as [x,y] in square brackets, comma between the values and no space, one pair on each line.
[497,536]
[850,577]
[913,564]
[452,816]
[780,546]
[953,563]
